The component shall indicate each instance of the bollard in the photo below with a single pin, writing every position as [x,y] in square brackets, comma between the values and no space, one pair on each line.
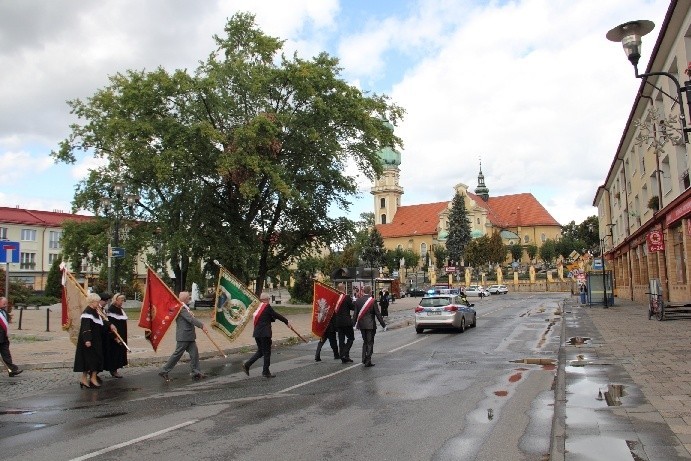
[47,319]
[21,311]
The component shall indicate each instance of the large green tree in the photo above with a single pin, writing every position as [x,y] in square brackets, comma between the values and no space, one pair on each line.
[373,252]
[239,161]
[496,249]
[548,251]
[477,252]
[459,229]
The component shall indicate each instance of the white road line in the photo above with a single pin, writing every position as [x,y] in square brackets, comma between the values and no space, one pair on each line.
[406,345]
[133,441]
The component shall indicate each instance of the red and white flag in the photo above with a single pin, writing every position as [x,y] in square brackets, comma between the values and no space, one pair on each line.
[325,302]
[73,302]
[160,307]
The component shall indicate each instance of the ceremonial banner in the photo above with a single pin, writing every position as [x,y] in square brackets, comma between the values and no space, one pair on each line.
[234,305]
[160,307]
[73,304]
[326,301]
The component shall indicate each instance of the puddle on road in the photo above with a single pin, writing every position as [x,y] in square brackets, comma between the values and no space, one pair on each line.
[535,361]
[110,415]
[578,341]
[17,412]
[608,448]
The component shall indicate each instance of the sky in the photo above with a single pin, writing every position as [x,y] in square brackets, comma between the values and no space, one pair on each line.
[530,88]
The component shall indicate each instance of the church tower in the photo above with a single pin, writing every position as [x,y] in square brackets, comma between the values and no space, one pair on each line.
[386,190]
[481,189]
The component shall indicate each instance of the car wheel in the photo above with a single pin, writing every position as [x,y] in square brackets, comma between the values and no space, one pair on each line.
[461,329]
[418,330]
[474,324]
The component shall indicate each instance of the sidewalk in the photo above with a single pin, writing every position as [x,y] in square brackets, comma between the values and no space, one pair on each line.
[33,347]
[623,388]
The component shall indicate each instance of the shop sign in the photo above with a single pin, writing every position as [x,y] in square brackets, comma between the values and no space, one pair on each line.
[655,241]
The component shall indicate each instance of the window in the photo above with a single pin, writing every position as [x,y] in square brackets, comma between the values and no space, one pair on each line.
[423,250]
[665,176]
[679,257]
[543,238]
[29,235]
[478,220]
[526,239]
[27,260]
[382,203]
[383,219]
[54,240]
[52,257]
[3,233]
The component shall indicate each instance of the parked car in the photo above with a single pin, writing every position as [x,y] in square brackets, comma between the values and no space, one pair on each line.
[415,292]
[476,290]
[444,311]
[498,289]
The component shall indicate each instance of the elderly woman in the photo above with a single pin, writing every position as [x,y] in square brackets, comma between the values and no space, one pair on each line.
[115,351]
[88,359]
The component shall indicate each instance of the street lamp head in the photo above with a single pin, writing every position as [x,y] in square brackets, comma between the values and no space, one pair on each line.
[106,202]
[118,187]
[629,34]
[132,199]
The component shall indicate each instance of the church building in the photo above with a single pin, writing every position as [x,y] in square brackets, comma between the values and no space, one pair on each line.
[519,218]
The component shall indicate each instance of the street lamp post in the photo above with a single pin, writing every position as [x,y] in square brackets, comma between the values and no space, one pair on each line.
[116,203]
[630,34]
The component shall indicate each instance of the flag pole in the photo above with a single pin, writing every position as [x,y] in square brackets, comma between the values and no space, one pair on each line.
[214,343]
[117,335]
[299,335]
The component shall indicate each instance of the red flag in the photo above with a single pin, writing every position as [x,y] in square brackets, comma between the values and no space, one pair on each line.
[326,301]
[160,307]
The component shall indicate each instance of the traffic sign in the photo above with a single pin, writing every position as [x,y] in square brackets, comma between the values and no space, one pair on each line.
[118,252]
[450,269]
[597,264]
[9,252]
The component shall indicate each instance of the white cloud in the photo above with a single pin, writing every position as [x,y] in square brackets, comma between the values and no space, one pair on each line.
[15,166]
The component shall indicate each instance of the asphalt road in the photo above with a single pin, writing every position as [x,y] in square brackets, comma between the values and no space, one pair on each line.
[437,395]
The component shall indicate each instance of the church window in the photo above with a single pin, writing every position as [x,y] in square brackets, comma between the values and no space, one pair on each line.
[478,220]
[543,238]
[526,239]
[383,219]
[423,250]
[382,203]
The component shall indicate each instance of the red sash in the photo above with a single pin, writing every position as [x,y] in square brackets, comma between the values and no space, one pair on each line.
[4,325]
[365,308]
[258,312]
[341,298]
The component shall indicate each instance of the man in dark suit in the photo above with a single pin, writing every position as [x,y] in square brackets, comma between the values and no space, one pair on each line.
[344,325]
[263,317]
[186,338]
[366,310]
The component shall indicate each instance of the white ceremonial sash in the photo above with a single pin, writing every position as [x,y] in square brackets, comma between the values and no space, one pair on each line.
[368,305]
[341,298]
[4,325]
[91,317]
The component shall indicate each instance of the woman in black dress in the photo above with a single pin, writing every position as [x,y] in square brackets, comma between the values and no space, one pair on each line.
[115,352]
[88,358]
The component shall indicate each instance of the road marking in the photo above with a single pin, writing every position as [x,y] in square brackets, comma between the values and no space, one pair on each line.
[406,345]
[133,441]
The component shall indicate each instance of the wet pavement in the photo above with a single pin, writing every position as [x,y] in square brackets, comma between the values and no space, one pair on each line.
[622,388]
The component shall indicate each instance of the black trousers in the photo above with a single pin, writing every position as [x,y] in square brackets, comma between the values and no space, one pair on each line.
[6,356]
[331,336]
[263,350]
[367,345]
[346,337]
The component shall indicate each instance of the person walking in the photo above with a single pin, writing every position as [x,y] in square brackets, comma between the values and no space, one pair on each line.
[115,351]
[344,326]
[88,358]
[186,340]
[384,303]
[330,335]
[12,369]
[263,317]
[366,310]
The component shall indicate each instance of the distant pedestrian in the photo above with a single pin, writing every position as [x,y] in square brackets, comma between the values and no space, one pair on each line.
[263,317]
[344,326]
[12,369]
[366,311]
[115,351]
[384,303]
[186,340]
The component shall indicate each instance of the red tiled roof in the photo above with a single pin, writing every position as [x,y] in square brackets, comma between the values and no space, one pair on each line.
[515,210]
[38,218]
[518,210]
[414,220]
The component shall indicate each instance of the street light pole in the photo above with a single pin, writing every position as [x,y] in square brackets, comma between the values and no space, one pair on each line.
[604,271]
[117,205]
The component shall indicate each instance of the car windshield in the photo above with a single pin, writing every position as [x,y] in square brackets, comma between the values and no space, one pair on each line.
[435,302]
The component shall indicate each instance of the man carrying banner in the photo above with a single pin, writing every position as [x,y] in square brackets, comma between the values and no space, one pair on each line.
[263,317]
[366,310]
[12,369]
[344,326]
[186,338]
[329,334]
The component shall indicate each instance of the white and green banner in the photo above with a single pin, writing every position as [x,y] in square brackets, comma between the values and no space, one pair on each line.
[234,305]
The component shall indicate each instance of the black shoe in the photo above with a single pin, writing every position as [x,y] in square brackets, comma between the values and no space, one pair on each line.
[370,364]
[15,373]
[246,369]
[164,375]
[337,357]
[317,359]
[199,376]
[268,375]
[347,360]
